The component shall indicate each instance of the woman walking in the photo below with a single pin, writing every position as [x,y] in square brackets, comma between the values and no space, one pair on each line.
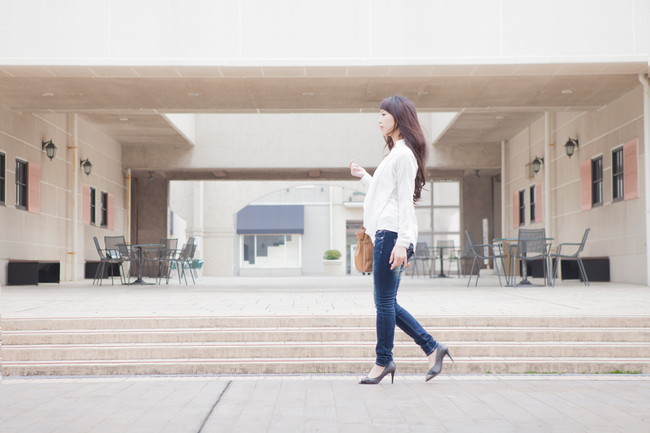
[389,219]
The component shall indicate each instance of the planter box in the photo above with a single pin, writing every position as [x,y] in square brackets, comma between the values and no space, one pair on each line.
[334,267]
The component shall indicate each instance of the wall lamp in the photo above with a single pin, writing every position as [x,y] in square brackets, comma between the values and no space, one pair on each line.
[570,146]
[537,164]
[49,148]
[87,166]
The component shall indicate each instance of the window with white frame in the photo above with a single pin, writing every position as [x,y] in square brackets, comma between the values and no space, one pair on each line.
[533,207]
[21,184]
[2,177]
[597,181]
[446,211]
[618,190]
[270,251]
[104,209]
[522,207]
[93,197]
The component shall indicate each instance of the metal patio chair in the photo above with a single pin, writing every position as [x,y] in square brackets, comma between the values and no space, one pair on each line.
[531,245]
[421,259]
[184,261]
[483,252]
[126,254]
[161,258]
[110,257]
[576,255]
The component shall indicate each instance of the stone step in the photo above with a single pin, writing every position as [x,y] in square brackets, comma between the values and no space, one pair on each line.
[318,334]
[317,349]
[325,334]
[357,366]
[306,344]
[86,323]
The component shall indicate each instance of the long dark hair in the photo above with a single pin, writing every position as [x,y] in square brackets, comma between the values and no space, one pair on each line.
[406,119]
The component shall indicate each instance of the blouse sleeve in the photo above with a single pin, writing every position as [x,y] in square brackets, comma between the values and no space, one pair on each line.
[366,180]
[405,172]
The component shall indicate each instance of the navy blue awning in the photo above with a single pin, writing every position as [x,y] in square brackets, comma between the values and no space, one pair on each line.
[261,219]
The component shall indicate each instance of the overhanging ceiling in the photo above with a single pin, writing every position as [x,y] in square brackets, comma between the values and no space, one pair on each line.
[495,101]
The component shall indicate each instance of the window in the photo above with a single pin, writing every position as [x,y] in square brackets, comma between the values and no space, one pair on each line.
[21,184]
[522,207]
[2,178]
[104,204]
[597,181]
[271,251]
[93,195]
[533,207]
[617,174]
[445,212]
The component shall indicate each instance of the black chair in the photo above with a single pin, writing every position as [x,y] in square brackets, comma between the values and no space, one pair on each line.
[421,259]
[464,256]
[455,255]
[162,258]
[184,260]
[531,245]
[107,256]
[483,252]
[117,245]
[576,255]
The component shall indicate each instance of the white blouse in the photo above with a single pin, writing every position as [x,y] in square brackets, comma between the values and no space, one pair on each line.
[389,201]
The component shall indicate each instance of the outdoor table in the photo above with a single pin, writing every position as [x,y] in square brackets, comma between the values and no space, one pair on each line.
[524,269]
[441,249]
[139,248]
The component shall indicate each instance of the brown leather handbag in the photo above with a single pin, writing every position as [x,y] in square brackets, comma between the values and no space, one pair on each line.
[364,251]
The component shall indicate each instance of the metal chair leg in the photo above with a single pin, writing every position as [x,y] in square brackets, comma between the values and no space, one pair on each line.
[555,266]
[583,271]
[471,272]
[96,277]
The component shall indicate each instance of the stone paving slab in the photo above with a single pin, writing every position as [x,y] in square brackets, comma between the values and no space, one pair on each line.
[449,403]
[291,296]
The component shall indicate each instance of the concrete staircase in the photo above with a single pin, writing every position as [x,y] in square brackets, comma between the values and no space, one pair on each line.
[318,344]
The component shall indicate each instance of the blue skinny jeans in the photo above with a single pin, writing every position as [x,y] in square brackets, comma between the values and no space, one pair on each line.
[389,312]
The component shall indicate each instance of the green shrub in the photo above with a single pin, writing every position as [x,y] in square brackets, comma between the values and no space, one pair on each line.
[332,255]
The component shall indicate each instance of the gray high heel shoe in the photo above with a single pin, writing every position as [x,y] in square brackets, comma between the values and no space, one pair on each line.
[390,368]
[437,367]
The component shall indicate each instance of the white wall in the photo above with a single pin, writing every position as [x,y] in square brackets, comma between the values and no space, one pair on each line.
[309,32]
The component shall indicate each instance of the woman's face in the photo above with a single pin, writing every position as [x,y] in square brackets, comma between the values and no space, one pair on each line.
[386,123]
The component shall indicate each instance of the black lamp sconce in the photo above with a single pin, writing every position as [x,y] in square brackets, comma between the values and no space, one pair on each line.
[87,166]
[570,146]
[49,148]
[537,164]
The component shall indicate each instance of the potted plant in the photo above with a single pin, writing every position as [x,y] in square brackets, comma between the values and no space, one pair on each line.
[332,255]
[333,263]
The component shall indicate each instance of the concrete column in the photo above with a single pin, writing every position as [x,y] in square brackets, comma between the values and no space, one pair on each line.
[549,155]
[504,187]
[197,228]
[73,125]
[151,203]
[643,78]
[127,222]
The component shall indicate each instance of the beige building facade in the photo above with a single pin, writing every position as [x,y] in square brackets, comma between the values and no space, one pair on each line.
[217,93]
[618,225]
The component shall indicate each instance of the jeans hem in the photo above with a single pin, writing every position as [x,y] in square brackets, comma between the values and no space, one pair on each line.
[434,349]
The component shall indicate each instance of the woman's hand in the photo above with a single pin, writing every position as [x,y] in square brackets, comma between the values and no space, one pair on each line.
[397,257]
[356,170]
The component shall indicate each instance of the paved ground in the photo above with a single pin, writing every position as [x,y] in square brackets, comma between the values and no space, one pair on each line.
[320,296]
[449,403]
[481,404]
